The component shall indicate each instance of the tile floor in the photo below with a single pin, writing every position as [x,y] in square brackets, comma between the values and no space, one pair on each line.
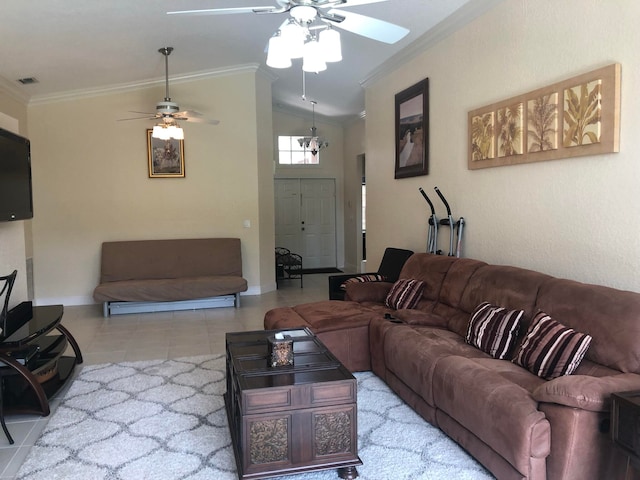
[151,336]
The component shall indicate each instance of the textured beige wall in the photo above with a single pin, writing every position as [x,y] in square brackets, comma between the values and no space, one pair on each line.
[577,218]
[91,180]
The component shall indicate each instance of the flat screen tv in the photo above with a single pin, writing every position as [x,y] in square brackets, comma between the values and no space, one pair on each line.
[16,200]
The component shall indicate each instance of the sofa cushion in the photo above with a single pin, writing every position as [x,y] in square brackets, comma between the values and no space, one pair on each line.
[179,258]
[169,289]
[609,315]
[493,329]
[550,349]
[411,353]
[495,409]
[370,277]
[405,293]
[368,292]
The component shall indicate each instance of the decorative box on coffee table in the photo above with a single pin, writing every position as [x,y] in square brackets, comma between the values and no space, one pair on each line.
[292,418]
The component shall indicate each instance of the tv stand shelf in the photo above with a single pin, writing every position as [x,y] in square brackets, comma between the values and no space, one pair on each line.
[28,381]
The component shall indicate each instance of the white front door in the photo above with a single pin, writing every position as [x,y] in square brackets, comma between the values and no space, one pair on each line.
[306,219]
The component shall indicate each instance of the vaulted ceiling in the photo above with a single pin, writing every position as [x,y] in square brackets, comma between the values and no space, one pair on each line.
[81,46]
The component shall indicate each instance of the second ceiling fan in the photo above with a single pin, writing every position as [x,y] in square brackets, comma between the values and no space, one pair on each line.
[168,111]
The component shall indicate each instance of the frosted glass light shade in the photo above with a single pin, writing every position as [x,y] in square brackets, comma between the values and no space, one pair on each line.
[330,45]
[278,56]
[293,37]
[167,132]
[313,59]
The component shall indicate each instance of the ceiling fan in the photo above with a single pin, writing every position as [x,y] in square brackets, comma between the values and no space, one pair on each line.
[168,111]
[328,11]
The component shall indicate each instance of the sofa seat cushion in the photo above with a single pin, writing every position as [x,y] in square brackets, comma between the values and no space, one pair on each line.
[498,411]
[169,289]
[412,352]
[513,373]
[323,316]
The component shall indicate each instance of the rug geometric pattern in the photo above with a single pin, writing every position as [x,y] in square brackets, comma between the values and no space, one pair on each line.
[165,420]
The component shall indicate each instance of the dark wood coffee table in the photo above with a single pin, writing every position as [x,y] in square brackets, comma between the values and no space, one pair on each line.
[290,419]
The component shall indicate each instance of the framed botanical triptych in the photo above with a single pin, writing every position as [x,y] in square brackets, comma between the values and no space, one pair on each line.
[578,116]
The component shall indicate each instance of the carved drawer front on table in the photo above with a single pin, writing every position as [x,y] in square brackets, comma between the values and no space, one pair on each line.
[290,419]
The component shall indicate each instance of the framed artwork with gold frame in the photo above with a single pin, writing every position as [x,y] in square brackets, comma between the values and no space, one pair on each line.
[165,157]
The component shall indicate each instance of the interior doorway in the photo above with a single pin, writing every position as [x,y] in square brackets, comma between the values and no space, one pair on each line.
[305,219]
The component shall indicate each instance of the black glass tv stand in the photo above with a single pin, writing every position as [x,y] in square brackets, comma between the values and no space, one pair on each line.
[34,362]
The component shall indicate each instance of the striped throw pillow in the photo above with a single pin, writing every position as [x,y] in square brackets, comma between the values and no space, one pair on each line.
[369,277]
[550,349]
[405,293]
[493,329]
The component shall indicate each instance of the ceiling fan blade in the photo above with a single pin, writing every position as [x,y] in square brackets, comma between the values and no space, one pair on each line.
[355,3]
[194,116]
[209,121]
[147,117]
[367,26]
[225,11]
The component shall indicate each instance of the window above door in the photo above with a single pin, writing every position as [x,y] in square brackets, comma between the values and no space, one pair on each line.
[290,153]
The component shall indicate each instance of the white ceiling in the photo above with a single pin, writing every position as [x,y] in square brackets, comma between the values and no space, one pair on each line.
[78,46]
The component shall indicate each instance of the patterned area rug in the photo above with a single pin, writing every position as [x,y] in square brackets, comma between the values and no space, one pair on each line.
[165,420]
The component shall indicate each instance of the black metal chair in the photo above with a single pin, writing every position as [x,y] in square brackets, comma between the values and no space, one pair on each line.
[288,266]
[392,262]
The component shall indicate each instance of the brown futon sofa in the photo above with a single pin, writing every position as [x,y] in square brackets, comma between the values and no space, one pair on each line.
[517,423]
[158,275]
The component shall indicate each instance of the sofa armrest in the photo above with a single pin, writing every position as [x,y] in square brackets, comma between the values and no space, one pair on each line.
[584,391]
[368,291]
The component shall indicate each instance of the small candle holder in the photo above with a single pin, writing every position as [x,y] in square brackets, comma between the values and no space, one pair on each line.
[280,350]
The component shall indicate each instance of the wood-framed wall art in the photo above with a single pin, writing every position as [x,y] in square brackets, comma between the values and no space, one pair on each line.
[575,117]
[412,131]
[165,157]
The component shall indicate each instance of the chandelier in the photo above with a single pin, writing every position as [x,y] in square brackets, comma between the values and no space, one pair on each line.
[298,37]
[313,143]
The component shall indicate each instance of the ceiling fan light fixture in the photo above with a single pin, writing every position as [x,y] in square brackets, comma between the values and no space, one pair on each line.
[165,131]
[293,36]
[313,59]
[277,55]
[331,45]
[304,14]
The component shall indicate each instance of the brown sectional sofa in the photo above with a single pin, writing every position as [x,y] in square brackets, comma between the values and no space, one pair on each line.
[515,423]
[144,275]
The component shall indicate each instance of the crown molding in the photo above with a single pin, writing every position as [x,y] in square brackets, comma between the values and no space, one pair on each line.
[454,22]
[127,87]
